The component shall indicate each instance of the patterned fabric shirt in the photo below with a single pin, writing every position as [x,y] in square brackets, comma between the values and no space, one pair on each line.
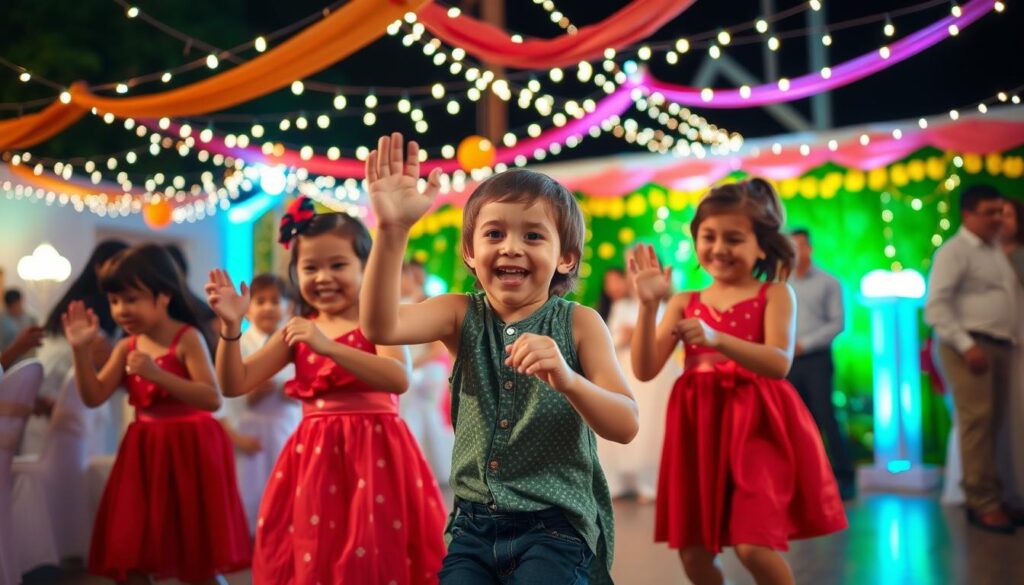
[520,446]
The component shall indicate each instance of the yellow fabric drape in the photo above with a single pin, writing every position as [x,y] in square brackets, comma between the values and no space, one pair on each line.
[350,28]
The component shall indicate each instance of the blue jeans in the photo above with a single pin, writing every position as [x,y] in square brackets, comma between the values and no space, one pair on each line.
[514,548]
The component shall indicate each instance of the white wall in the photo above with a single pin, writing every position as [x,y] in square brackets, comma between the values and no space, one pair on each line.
[25,224]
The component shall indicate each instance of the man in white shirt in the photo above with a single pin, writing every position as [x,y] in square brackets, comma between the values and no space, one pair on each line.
[970,305]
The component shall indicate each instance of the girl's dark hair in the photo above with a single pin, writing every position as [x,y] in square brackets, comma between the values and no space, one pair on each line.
[151,267]
[756,199]
[86,288]
[340,224]
[530,187]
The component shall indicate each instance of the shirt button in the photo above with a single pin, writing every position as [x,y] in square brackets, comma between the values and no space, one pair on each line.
[493,465]
[504,423]
[508,385]
[510,331]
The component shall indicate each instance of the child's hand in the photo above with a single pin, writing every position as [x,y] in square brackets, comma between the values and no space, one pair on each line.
[81,326]
[229,305]
[248,444]
[651,283]
[141,364]
[537,355]
[304,330]
[696,332]
[27,339]
[392,183]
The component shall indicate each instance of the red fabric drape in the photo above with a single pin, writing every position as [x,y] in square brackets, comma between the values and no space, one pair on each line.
[634,22]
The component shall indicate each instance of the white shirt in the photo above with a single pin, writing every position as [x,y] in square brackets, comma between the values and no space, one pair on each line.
[970,288]
[819,309]
[232,408]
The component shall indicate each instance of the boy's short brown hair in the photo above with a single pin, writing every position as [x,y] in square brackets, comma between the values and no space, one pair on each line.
[269,281]
[529,187]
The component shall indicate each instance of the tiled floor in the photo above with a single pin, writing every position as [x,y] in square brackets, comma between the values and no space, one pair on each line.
[892,540]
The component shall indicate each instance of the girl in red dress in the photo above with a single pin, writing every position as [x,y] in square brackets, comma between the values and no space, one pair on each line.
[171,507]
[742,464]
[351,498]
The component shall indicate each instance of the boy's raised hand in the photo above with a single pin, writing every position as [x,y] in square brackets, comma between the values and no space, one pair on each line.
[227,303]
[392,175]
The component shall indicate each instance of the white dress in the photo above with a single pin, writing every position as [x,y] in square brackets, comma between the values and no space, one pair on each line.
[633,468]
[272,420]
[422,410]
[102,436]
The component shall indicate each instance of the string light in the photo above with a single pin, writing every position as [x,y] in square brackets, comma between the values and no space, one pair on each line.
[556,16]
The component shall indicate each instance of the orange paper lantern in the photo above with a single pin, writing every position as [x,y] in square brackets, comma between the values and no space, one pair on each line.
[157,214]
[475,152]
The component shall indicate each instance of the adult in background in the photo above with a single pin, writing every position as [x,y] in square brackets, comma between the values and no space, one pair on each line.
[971,307]
[1010,443]
[819,319]
[55,352]
[614,286]
[207,318]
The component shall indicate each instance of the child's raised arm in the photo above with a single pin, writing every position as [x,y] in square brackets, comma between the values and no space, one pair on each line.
[392,175]
[653,344]
[238,376]
[199,390]
[81,327]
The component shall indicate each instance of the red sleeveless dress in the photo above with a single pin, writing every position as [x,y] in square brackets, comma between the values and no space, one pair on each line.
[742,462]
[351,498]
[171,507]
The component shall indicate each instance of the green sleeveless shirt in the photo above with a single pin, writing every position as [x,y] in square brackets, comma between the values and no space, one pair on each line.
[520,446]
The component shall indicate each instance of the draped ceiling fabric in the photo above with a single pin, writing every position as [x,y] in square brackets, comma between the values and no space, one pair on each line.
[351,27]
[360,22]
[838,76]
[492,45]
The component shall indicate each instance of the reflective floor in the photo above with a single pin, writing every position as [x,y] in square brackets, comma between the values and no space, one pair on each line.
[892,540]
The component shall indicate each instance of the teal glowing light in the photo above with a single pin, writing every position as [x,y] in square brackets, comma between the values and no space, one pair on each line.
[237,233]
[894,299]
[898,466]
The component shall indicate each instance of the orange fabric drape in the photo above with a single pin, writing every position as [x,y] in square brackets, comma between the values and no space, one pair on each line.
[350,28]
[631,23]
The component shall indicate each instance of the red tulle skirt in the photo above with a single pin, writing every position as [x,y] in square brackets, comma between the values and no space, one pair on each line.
[350,500]
[742,463]
[171,507]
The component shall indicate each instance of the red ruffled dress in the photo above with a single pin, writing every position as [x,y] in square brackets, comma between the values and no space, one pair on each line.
[742,462]
[171,507]
[351,498]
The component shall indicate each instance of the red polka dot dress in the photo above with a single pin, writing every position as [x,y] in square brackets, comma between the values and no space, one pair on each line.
[742,461]
[351,498]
